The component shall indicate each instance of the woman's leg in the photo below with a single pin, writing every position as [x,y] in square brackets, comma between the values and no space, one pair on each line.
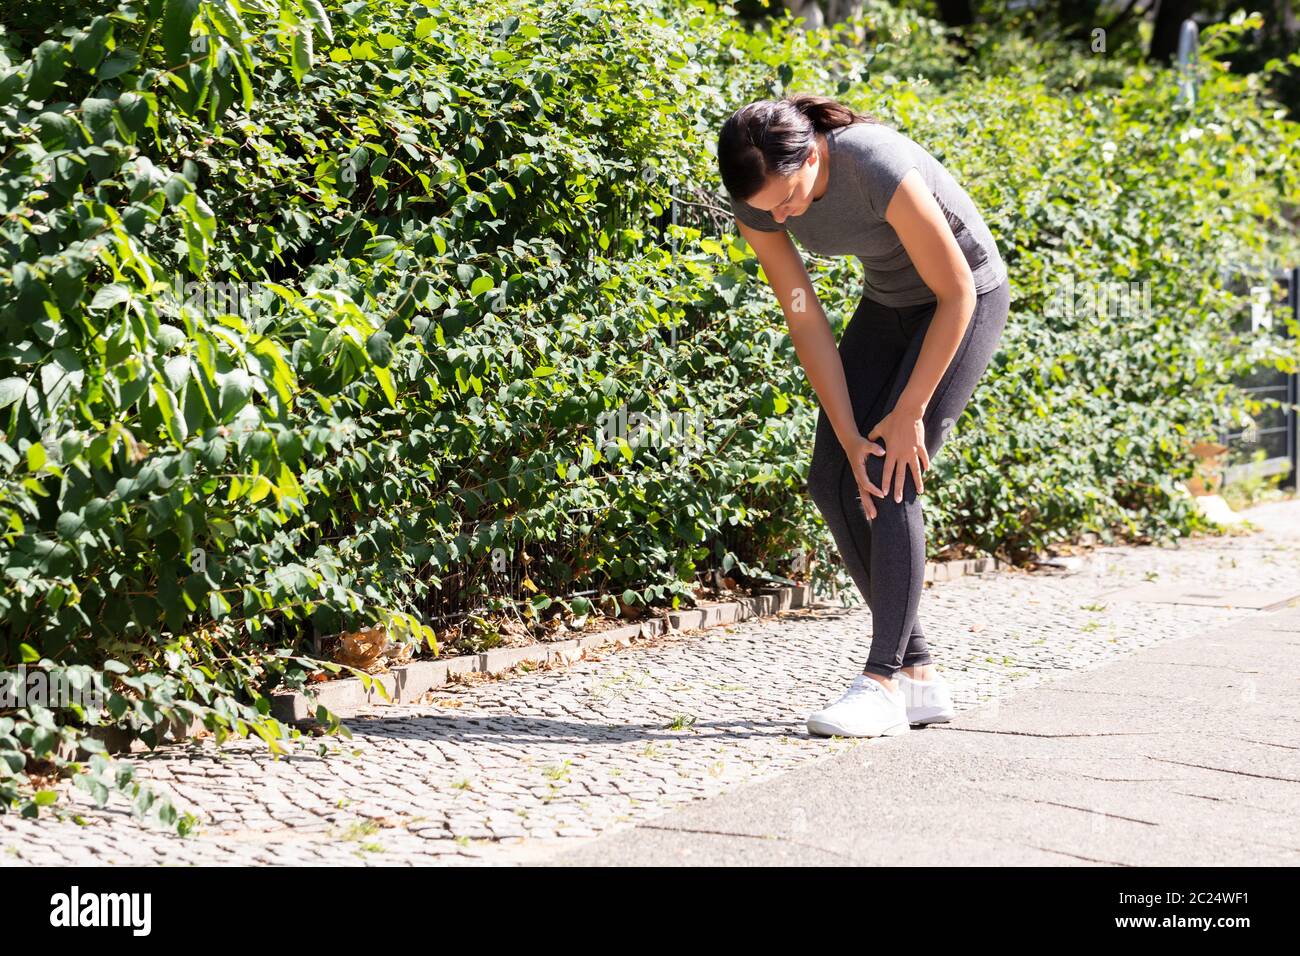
[898,531]
[871,349]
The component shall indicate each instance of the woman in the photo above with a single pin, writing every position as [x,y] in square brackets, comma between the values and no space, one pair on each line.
[935,300]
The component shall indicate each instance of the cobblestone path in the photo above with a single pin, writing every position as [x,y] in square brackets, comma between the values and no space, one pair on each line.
[502,771]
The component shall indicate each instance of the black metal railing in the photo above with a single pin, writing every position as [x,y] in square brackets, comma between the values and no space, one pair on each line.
[1274,430]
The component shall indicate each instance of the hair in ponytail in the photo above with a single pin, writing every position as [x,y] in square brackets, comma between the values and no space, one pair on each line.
[775,137]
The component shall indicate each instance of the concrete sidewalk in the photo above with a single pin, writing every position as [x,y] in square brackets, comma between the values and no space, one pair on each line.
[1181,754]
[1089,728]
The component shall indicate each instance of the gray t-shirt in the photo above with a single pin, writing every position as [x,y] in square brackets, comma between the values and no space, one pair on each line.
[867,162]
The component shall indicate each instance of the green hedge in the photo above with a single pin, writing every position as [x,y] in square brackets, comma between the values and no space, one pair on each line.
[452,226]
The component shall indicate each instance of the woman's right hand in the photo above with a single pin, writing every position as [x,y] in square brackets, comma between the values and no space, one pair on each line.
[857,450]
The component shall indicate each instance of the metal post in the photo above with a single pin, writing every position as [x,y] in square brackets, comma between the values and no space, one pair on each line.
[672,242]
[1188,40]
[1293,385]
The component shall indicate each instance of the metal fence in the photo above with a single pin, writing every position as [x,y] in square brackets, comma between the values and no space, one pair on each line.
[1275,431]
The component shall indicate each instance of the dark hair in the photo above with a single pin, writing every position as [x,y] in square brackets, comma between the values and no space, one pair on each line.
[774,137]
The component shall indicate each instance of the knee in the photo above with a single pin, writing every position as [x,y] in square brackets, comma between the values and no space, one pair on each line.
[876,472]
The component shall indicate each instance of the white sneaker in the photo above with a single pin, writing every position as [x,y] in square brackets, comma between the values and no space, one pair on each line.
[867,709]
[928,701]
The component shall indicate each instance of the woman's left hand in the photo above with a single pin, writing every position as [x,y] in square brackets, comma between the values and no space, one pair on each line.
[902,432]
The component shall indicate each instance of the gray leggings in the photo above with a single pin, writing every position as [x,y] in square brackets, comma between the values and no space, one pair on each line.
[886,557]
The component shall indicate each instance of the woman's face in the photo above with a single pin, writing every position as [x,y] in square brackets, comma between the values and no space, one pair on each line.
[786,196]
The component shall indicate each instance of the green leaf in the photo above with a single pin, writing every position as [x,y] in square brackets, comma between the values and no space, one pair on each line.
[235,390]
[386,383]
[98,115]
[289,486]
[48,65]
[59,132]
[89,48]
[381,247]
[178,20]
[110,295]
[261,488]
[282,377]
[230,25]
[136,110]
[302,51]
[316,13]
[11,390]
[218,606]
[175,424]
[117,64]
[245,85]
[44,740]
[70,524]
[379,347]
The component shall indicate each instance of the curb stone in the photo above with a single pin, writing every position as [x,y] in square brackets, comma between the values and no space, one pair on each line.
[406,683]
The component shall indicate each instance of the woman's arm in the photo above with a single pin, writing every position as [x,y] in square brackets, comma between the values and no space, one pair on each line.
[925,234]
[814,342]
